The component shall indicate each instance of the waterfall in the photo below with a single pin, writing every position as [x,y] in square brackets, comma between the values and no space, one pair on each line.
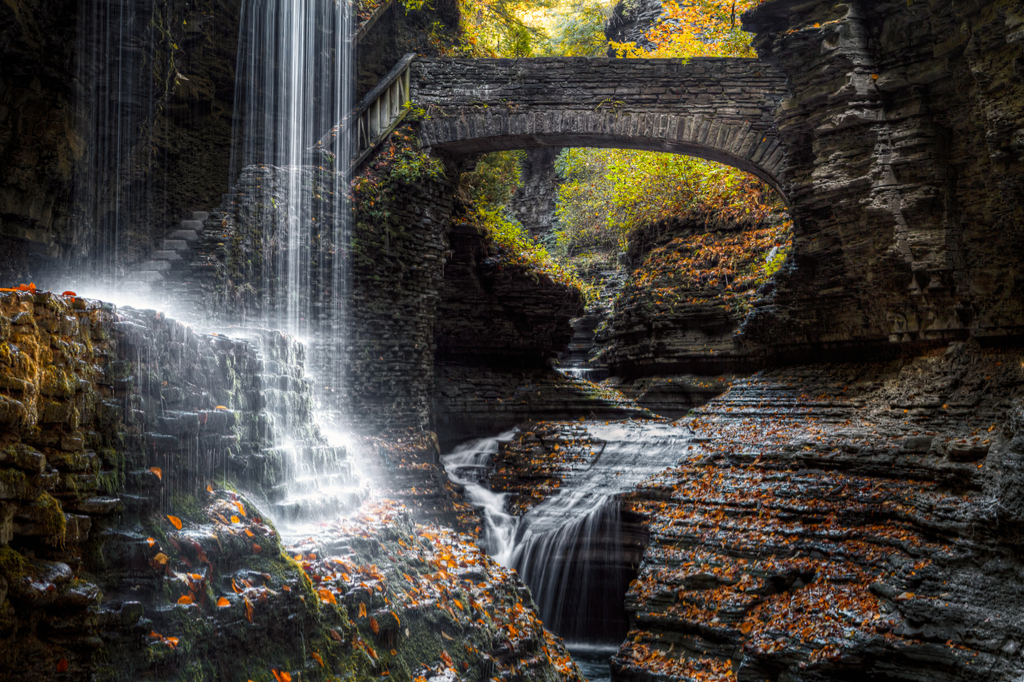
[573,549]
[293,84]
[575,569]
[115,99]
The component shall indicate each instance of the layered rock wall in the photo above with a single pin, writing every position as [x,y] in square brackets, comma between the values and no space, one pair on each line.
[111,417]
[837,522]
[904,171]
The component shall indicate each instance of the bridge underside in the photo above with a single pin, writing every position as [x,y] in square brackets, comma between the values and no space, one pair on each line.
[743,146]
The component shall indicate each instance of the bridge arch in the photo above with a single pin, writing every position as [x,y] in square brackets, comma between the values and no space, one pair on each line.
[717,109]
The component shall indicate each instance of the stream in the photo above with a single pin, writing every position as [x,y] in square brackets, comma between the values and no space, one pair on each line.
[573,549]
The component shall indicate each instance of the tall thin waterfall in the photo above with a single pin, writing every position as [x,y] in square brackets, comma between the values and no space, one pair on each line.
[293,84]
[115,97]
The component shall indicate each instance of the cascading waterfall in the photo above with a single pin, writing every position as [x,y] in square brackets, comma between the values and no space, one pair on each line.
[293,84]
[573,549]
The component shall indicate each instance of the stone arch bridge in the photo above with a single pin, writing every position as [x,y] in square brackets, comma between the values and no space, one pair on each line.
[716,109]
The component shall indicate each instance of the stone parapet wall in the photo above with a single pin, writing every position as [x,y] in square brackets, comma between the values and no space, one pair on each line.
[717,109]
[740,89]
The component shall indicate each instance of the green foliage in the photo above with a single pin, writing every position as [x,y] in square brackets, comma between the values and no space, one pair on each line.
[576,29]
[486,191]
[609,193]
[401,162]
[494,180]
[519,248]
[498,28]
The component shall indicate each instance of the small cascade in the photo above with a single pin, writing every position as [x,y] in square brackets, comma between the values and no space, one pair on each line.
[574,563]
[467,465]
[577,550]
[576,360]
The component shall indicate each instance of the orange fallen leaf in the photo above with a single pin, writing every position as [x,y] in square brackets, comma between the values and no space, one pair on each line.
[248,609]
[175,521]
[316,657]
[235,519]
[158,471]
[222,602]
[235,587]
[335,636]
[151,541]
[256,548]
[171,642]
[221,407]
[327,597]
[374,626]
[186,600]
[362,610]
[241,509]
[209,488]
[69,293]
[161,559]
[248,532]
[62,665]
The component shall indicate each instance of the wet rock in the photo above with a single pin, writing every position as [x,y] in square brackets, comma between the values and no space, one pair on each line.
[23,457]
[813,529]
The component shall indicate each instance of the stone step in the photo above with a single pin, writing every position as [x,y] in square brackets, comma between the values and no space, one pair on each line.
[187,235]
[194,225]
[175,245]
[166,255]
[154,266]
[144,276]
[200,215]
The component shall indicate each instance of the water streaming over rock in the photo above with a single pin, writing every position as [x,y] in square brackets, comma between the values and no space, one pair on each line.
[115,99]
[294,83]
[574,549]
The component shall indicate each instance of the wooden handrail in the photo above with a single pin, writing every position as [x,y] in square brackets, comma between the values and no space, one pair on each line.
[376,115]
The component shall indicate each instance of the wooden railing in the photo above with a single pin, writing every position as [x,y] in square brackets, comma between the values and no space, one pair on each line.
[375,116]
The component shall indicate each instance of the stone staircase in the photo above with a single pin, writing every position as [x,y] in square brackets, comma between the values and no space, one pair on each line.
[171,260]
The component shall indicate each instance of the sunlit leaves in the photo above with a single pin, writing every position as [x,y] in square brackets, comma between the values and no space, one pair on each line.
[609,192]
[696,28]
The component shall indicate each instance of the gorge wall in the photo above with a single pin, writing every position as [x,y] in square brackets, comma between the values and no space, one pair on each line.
[904,172]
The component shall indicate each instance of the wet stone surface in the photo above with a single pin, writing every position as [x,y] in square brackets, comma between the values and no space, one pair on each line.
[823,524]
